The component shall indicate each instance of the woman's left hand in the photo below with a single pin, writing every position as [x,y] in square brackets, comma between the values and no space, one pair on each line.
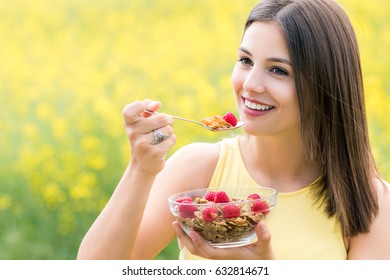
[261,249]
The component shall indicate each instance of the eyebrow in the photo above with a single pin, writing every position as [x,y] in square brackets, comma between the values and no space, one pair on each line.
[274,59]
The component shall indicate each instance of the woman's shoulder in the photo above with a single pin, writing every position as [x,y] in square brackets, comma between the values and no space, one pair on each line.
[383,194]
[196,155]
[194,163]
[383,188]
[198,150]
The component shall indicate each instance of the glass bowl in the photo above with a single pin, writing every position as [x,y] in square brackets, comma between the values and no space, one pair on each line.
[223,220]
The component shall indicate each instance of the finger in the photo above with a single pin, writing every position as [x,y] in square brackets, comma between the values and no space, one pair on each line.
[141,132]
[184,239]
[190,240]
[131,112]
[134,111]
[194,243]
[264,240]
[151,105]
[202,248]
[162,134]
[263,233]
[162,122]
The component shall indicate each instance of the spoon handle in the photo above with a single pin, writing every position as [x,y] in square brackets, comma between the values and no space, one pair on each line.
[174,117]
[186,120]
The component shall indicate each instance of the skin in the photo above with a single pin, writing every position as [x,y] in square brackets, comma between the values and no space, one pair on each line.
[137,224]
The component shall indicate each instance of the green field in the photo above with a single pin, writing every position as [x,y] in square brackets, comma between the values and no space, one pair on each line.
[68,67]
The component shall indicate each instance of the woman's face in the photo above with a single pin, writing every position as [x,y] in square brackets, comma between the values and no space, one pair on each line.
[263,82]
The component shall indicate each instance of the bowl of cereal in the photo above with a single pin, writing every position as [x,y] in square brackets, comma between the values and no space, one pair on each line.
[223,219]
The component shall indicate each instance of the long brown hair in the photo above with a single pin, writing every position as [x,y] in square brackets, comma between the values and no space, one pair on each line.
[326,64]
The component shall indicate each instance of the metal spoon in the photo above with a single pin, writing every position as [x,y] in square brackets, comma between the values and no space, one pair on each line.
[238,125]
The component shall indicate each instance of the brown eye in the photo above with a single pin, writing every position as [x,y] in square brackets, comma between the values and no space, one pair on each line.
[279,71]
[246,61]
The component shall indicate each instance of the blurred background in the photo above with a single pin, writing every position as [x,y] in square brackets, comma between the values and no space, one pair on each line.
[68,67]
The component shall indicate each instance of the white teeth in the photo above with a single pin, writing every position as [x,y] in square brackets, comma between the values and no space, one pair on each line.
[255,106]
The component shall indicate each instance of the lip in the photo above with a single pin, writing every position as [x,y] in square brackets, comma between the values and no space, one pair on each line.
[255,113]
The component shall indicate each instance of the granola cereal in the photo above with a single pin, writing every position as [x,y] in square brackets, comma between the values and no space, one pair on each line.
[216,226]
[223,229]
[215,122]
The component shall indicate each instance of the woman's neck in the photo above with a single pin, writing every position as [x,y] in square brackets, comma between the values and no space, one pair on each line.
[278,163]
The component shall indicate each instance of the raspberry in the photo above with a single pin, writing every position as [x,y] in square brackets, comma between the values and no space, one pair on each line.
[231,211]
[260,207]
[221,197]
[187,209]
[210,214]
[253,196]
[230,118]
[209,195]
[184,199]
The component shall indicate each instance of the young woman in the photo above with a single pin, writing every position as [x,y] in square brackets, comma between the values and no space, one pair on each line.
[298,87]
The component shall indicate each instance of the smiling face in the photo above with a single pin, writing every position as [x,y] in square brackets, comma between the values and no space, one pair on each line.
[263,82]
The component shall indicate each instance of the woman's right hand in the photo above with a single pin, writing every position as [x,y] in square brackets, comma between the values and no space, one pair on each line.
[146,157]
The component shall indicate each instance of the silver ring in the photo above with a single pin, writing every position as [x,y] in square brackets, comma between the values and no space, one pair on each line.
[158,137]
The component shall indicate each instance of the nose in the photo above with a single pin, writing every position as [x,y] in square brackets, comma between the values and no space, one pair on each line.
[254,81]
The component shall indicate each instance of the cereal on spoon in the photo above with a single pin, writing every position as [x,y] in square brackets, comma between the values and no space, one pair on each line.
[217,122]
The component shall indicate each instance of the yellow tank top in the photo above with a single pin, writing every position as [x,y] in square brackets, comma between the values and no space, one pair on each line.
[299,227]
